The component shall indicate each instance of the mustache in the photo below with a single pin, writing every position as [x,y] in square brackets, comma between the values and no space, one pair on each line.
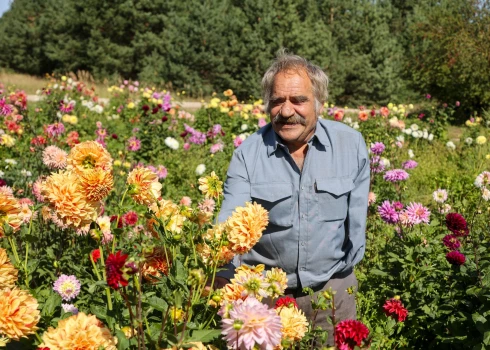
[294,119]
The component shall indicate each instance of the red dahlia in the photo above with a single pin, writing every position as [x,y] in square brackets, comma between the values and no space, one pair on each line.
[456,223]
[349,333]
[130,218]
[451,242]
[95,254]
[286,301]
[455,258]
[113,268]
[394,308]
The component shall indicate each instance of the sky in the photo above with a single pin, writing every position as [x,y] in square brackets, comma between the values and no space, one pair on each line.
[4,6]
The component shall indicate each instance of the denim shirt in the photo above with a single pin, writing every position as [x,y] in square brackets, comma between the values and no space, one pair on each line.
[317,216]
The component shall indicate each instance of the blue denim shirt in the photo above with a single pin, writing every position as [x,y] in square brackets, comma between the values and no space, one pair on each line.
[317,216]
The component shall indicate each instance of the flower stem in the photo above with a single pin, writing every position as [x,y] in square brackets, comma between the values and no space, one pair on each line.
[107,289]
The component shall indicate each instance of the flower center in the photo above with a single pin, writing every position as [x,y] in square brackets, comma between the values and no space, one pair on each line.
[88,163]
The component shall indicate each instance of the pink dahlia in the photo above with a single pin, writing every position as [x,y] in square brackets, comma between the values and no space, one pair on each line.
[409,164]
[54,157]
[349,334]
[451,242]
[417,213]
[455,258]
[388,212]
[130,218]
[5,108]
[237,141]
[396,175]
[377,166]
[251,324]
[68,287]
[134,144]
[161,172]
[394,308]
[483,179]
[377,148]
[54,130]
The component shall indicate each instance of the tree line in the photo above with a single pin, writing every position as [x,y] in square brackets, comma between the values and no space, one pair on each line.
[374,51]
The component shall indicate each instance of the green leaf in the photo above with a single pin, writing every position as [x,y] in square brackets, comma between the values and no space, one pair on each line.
[92,287]
[122,341]
[204,335]
[378,272]
[158,303]
[50,305]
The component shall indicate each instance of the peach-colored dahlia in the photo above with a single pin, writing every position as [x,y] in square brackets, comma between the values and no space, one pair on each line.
[213,248]
[65,196]
[79,332]
[96,184]
[18,313]
[156,264]
[8,273]
[245,227]
[54,157]
[89,155]
[10,212]
[294,323]
[144,186]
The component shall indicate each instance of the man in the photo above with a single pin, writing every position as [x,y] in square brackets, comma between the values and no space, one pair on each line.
[313,177]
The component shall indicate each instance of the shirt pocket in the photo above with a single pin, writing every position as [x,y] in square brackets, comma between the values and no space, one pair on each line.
[332,197]
[276,198]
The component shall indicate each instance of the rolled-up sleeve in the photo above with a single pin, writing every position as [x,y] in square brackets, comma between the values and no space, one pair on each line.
[236,194]
[358,204]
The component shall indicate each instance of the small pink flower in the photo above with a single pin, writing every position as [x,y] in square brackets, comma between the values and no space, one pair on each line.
[134,144]
[262,122]
[186,201]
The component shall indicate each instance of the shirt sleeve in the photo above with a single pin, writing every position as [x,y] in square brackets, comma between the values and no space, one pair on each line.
[358,205]
[236,194]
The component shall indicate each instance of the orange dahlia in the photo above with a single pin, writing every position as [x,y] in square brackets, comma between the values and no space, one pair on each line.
[79,331]
[96,184]
[18,313]
[10,212]
[65,196]
[213,248]
[89,155]
[245,227]
[155,264]
[144,187]
[8,273]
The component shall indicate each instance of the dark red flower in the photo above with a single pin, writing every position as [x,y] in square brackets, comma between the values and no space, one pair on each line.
[3,182]
[184,134]
[154,110]
[45,348]
[456,223]
[455,258]
[349,333]
[164,119]
[146,108]
[451,242]
[119,223]
[394,308]
[114,136]
[95,254]
[286,301]
[113,268]
[130,218]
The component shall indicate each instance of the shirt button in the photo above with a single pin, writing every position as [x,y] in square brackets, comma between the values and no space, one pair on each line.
[303,268]
[303,216]
[303,243]
[302,187]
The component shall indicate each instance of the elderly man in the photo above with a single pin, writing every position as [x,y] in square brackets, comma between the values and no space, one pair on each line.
[312,175]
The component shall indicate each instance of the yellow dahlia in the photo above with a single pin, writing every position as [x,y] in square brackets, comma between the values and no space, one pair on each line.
[155,264]
[294,323]
[245,227]
[8,273]
[89,155]
[79,332]
[214,248]
[10,212]
[18,313]
[96,184]
[65,196]
[144,186]
[278,282]
[211,186]
[164,209]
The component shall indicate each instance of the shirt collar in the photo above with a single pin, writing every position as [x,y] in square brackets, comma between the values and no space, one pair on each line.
[274,140]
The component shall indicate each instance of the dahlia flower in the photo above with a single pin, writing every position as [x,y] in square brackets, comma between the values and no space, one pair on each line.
[286,302]
[277,281]
[245,227]
[211,186]
[371,198]
[212,243]
[156,264]
[54,157]
[377,148]
[8,273]
[440,195]
[68,287]
[483,179]
[455,258]
[456,223]
[96,184]
[18,313]
[144,187]
[349,333]
[394,308]
[417,213]
[69,308]
[294,323]
[409,164]
[451,242]
[388,213]
[79,331]
[65,196]
[113,266]
[396,175]
[251,324]
[253,282]
[89,155]
[10,211]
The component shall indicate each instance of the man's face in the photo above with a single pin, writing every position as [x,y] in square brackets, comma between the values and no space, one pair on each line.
[292,104]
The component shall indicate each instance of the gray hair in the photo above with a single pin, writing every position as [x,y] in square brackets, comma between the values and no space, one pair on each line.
[289,62]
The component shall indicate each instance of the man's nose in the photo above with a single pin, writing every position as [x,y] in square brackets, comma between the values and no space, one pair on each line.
[286,110]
